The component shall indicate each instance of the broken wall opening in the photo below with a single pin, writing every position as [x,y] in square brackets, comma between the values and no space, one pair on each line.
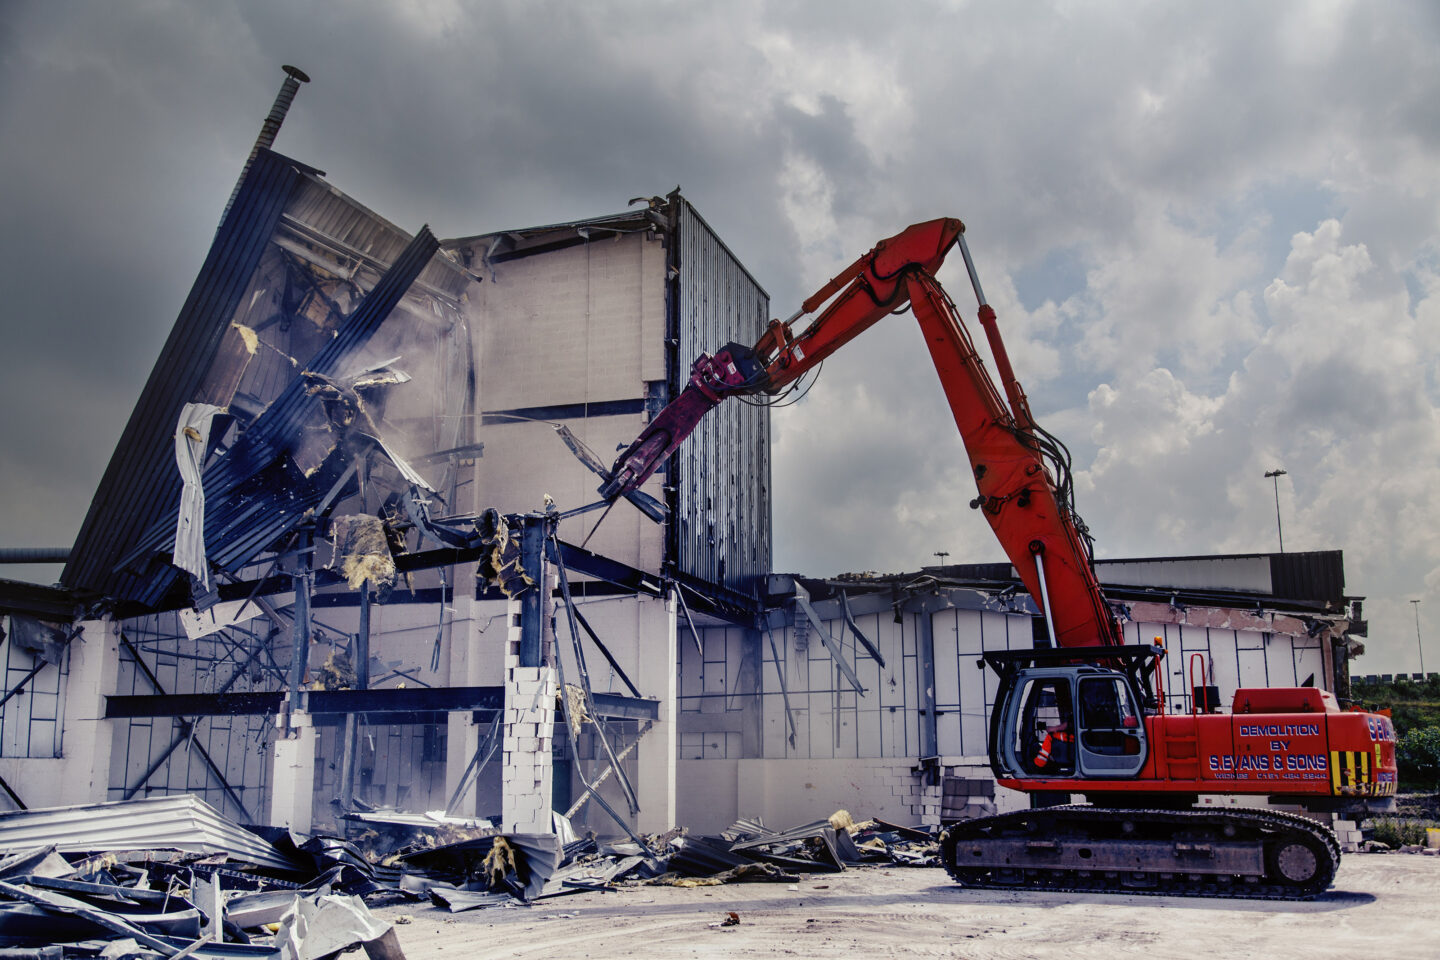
[37,668]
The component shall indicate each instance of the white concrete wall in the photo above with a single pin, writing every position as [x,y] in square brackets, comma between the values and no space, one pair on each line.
[788,793]
[80,774]
[584,324]
[858,751]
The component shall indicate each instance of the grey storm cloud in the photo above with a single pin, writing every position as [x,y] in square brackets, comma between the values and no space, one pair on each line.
[1145,185]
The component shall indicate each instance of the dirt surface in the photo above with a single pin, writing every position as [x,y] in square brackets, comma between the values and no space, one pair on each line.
[1380,905]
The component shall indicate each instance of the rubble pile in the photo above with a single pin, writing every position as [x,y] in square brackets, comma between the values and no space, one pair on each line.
[169,877]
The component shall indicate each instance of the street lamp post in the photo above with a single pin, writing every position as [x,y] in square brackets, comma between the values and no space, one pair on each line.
[1418,646]
[942,554]
[1276,475]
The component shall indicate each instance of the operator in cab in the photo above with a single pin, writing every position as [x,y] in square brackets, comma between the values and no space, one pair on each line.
[1056,754]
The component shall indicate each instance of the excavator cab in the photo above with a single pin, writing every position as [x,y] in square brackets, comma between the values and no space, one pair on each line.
[1056,717]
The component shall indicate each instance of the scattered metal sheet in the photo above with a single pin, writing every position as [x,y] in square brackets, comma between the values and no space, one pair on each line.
[40,862]
[182,822]
[702,857]
[746,829]
[815,844]
[55,903]
[98,892]
[325,926]
[249,910]
[430,820]
[28,923]
[456,900]
[518,862]
[220,951]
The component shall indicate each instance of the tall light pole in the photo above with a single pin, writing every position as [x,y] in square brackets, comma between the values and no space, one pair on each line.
[942,554]
[1276,475]
[1417,637]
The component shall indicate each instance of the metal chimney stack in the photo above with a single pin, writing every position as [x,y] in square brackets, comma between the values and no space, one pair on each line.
[294,76]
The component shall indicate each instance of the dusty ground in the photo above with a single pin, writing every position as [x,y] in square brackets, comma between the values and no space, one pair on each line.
[1380,906]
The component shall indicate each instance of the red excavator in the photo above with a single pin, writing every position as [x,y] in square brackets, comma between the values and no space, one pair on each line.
[1083,714]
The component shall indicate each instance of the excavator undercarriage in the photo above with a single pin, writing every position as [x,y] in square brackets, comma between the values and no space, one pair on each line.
[1227,852]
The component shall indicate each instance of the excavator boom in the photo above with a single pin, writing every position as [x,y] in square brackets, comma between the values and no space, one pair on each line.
[1014,463]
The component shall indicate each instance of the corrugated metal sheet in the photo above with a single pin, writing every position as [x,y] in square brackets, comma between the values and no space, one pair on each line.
[181,822]
[141,483]
[1314,576]
[1249,574]
[323,214]
[721,529]
[1317,575]
[251,496]
[282,208]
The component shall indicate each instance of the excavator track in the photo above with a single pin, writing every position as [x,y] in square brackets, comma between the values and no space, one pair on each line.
[1229,852]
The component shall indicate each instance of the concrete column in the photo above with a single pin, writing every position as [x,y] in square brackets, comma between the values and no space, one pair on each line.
[292,775]
[529,722]
[82,774]
[656,677]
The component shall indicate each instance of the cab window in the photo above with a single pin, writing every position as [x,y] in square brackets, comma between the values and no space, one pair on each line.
[1044,737]
[1109,722]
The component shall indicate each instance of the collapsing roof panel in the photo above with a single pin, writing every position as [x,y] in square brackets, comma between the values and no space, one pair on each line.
[244,516]
[183,822]
[298,279]
[140,482]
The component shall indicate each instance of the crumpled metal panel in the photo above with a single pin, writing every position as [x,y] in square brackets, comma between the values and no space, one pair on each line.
[248,505]
[183,822]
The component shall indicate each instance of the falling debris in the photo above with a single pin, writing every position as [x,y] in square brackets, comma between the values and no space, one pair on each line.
[364,548]
[248,336]
[575,710]
[500,567]
[336,673]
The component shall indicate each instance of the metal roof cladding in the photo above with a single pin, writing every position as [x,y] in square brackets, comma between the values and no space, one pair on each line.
[141,484]
[116,554]
[241,517]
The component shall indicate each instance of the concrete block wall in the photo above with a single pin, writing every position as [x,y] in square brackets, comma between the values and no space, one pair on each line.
[526,735]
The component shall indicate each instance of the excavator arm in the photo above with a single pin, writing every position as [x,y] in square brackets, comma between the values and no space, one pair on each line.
[1014,463]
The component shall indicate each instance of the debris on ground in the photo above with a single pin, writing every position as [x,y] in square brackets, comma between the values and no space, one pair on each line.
[171,877]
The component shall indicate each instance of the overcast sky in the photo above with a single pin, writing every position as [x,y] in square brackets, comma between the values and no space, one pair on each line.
[1210,232]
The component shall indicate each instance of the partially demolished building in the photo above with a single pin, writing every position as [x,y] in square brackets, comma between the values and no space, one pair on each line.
[339,565]
[298,599]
